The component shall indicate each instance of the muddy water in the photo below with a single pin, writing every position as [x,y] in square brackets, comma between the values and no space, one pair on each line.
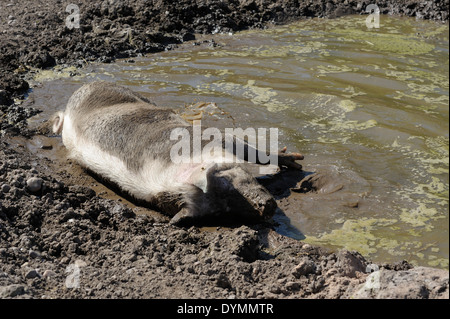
[369,107]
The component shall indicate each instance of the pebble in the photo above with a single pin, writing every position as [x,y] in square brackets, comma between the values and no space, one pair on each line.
[178,270]
[5,188]
[34,254]
[33,273]
[49,273]
[306,266]
[292,285]
[80,263]
[11,290]
[34,184]
[130,271]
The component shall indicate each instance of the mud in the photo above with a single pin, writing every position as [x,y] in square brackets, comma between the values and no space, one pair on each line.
[64,234]
[63,229]
[34,35]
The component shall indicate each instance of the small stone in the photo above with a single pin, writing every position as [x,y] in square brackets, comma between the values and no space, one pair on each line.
[130,271]
[292,285]
[352,204]
[305,267]
[34,184]
[33,273]
[49,273]
[11,291]
[349,263]
[5,188]
[80,263]
[275,290]
[34,254]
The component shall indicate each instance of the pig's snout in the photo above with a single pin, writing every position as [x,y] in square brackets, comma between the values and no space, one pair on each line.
[245,197]
[265,204]
[262,202]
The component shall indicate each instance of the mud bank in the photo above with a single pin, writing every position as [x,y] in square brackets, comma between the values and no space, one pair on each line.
[35,35]
[59,239]
[62,241]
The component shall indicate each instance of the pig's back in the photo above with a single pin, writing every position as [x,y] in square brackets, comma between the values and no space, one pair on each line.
[97,95]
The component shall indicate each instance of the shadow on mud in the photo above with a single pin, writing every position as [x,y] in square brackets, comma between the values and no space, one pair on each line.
[279,185]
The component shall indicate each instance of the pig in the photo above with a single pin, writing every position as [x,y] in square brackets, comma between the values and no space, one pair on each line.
[125,138]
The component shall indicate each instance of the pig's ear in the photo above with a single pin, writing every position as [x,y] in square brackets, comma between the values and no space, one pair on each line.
[57,122]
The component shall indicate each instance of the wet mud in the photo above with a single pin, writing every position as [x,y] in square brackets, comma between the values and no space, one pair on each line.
[66,226]
[36,35]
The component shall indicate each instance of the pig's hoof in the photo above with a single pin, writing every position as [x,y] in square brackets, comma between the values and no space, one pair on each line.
[182,218]
[289,159]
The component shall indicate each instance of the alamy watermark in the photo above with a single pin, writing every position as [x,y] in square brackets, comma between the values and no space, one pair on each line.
[73,279]
[73,19]
[235,145]
[373,20]
[74,274]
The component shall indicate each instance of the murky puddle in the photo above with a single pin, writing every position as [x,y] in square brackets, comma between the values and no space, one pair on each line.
[370,106]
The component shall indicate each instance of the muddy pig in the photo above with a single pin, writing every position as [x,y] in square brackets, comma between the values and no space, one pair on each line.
[124,138]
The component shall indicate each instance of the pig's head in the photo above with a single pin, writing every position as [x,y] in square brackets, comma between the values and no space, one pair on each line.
[225,192]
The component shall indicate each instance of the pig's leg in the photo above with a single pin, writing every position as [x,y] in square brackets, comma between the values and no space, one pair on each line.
[289,159]
[283,158]
[183,217]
